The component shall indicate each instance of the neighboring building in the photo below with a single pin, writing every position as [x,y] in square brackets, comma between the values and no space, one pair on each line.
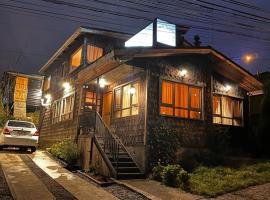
[21,93]
[155,78]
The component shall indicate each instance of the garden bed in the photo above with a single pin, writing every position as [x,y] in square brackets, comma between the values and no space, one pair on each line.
[214,181]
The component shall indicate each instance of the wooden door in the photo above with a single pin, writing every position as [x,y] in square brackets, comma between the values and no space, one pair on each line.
[107,107]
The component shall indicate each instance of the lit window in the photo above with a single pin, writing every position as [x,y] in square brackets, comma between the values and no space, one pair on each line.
[47,83]
[93,53]
[62,109]
[144,38]
[180,100]
[227,110]
[76,59]
[166,33]
[125,101]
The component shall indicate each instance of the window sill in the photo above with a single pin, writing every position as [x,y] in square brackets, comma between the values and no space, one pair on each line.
[182,118]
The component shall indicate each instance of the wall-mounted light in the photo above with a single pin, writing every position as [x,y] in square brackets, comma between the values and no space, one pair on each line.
[46,101]
[102,82]
[66,86]
[183,72]
[227,88]
[132,90]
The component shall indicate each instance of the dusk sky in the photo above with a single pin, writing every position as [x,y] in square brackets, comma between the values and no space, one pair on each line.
[32,30]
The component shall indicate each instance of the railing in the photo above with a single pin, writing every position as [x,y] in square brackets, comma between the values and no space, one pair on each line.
[110,144]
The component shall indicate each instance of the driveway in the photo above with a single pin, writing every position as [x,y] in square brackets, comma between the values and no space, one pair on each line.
[36,176]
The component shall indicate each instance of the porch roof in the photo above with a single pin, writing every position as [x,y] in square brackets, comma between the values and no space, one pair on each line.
[224,65]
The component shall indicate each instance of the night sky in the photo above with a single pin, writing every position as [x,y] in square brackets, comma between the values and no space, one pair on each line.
[32,30]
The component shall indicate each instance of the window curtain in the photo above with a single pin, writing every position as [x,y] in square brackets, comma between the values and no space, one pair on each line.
[126,101]
[181,100]
[76,59]
[166,98]
[135,102]
[227,110]
[93,53]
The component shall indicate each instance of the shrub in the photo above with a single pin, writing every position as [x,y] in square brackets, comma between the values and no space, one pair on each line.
[65,151]
[164,142]
[183,179]
[157,172]
[169,175]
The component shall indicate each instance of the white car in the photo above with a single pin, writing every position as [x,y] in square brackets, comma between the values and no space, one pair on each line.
[20,134]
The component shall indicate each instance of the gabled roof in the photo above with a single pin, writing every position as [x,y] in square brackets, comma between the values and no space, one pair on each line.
[32,76]
[76,34]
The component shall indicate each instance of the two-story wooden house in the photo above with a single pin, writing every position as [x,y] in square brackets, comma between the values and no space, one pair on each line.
[106,90]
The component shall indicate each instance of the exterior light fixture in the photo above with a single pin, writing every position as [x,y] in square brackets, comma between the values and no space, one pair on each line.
[183,72]
[66,86]
[132,90]
[47,101]
[102,83]
[227,88]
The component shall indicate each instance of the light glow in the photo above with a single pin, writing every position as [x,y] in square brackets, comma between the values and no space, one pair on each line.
[132,90]
[66,86]
[102,83]
[227,88]
[183,72]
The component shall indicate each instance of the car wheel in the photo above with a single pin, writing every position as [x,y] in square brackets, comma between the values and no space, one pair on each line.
[23,149]
[33,149]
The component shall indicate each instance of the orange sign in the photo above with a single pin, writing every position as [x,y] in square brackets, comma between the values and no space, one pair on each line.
[20,92]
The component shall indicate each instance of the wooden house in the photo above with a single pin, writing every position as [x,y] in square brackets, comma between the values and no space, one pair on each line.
[21,93]
[106,90]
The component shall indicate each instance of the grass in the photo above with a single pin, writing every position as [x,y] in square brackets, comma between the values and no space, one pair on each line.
[214,181]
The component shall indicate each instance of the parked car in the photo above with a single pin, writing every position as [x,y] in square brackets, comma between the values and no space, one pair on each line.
[21,134]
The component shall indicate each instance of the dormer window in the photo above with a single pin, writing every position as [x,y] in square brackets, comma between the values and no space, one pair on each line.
[76,59]
[164,32]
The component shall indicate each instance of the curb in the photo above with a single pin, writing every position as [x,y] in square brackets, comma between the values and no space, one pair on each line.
[12,192]
[95,181]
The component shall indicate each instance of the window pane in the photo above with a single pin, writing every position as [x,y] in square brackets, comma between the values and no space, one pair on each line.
[181,95]
[181,113]
[226,121]
[237,122]
[117,99]
[143,38]
[126,112]
[227,107]
[217,120]
[135,110]
[237,108]
[166,33]
[167,92]
[76,59]
[216,105]
[126,97]
[90,97]
[195,115]
[166,110]
[93,53]
[135,95]
[195,97]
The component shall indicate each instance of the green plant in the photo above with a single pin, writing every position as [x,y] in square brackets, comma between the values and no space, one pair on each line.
[169,175]
[65,150]
[183,179]
[164,141]
[157,172]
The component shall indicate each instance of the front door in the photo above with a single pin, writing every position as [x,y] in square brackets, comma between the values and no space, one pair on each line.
[107,107]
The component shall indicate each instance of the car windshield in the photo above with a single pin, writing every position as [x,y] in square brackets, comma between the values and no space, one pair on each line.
[21,124]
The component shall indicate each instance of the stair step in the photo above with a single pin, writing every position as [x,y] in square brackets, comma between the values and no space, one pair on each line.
[128,170]
[124,164]
[121,159]
[130,175]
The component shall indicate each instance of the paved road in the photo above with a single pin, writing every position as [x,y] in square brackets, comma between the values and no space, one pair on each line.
[36,176]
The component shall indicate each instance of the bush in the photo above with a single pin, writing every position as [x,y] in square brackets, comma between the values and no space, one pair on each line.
[169,175]
[183,179]
[157,172]
[65,151]
[164,142]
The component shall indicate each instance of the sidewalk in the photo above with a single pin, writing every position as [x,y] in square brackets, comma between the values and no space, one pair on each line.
[80,188]
[159,191]
[23,184]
